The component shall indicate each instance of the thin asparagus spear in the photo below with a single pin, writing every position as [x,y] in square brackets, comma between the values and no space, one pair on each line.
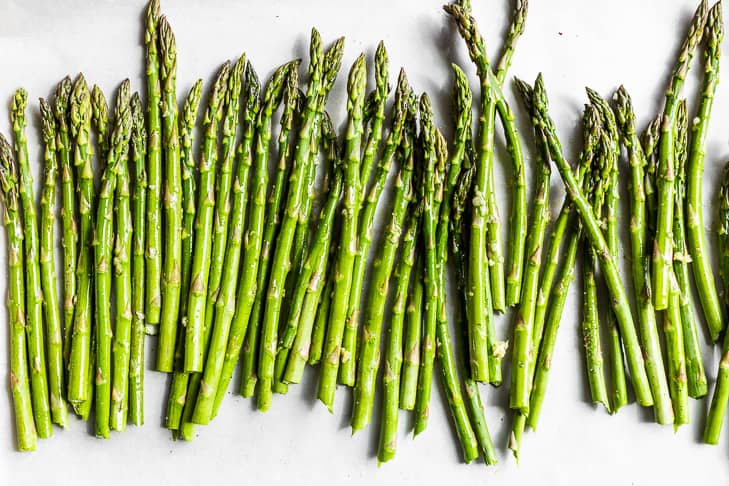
[33,290]
[393,347]
[172,202]
[367,212]
[663,248]
[100,121]
[68,209]
[103,250]
[318,333]
[639,239]
[19,382]
[204,225]
[374,310]
[479,303]
[348,235]
[649,141]
[123,292]
[138,155]
[80,364]
[292,103]
[59,413]
[675,356]
[153,269]
[720,397]
[700,262]
[229,306]
[619,300]
[516,29]
[696,377]
[313,277]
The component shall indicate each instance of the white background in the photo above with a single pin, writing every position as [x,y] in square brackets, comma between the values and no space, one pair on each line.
[574,43]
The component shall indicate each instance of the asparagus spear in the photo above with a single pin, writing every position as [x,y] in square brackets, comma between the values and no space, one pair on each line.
[100,120]
[639,239]
[81,363]
[59,414]
[367,212]
[180,379]
[19,382]
[675,356]
[619,301]
[138,151]
[153,269]
[393,346]
[203,226]
[696,377]
[291,111]
[172,202]
[720,397]
[348,236]
[33,290]
[369,359]
[700,262]
[123,290]
[312,278]
[230,307]
[318,333]
[663,249]
[68,209]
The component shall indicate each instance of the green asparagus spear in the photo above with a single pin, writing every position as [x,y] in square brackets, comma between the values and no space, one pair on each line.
[59,413]
[204,225]
[100,121]
[700,262]
[138,151]
[153,269]
[33,291]
[675,356]
[19,381]
[172,201]
[68,209]
[663,248]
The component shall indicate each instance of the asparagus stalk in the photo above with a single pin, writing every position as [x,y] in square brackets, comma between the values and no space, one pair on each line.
[59,413]
[123,290]
[230,307]
[663,248]
[313,276]
[639,239]
[33,290]
[81,362]
[318,333]
[675,356]
[700,262]
[619,301]
[201,254]
[696,377]
[348,236]
[19,381]
[367,212]
[100,121]
[153,268]
[369,359]
[172,202]
[720,397]
[291,111]
[138,151]
[68,209]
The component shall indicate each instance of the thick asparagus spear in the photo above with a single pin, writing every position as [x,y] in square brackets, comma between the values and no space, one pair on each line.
[81,362]
[153,269]
[33,290]
[292,103]
[172,202]
[663,248]
[696,377]
[700,262]
[68,209]
[230,307]
[639,239]
[19,381]
[54,331]
[367,212]
[619,300]
[204,225]
[369,359]
[100,122]
[138,157]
